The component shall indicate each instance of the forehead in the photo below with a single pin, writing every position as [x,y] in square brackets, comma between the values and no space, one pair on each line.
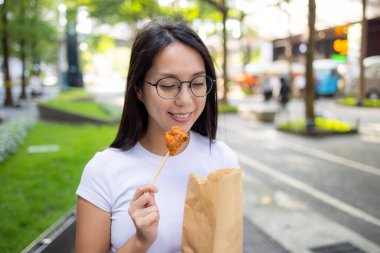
[177,59]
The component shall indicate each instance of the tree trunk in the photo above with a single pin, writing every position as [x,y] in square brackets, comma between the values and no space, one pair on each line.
[36,68]
[8,101]
[23,54]
[363,51]
[221,6]
[289,55]
[225,52]
[23,71]
[310,89]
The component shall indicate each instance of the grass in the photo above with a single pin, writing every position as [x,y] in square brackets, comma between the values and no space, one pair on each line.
[322,125]
[79,102]
[226,108]
[37,189]
[352,101]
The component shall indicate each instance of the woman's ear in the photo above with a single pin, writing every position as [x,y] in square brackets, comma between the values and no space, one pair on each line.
[139,94]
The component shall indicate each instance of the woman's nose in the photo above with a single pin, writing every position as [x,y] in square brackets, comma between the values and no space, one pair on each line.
[184,96]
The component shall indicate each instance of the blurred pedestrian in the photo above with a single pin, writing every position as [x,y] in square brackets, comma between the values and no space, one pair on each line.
[171,81]
[35,85]
[266,87]
[300,83]
[284,96]
[274,82]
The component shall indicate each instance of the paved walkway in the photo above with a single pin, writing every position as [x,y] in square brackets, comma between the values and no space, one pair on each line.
[257,241]
[23,108]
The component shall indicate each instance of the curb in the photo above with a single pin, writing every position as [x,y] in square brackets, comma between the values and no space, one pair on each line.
[51,114]
[59,238]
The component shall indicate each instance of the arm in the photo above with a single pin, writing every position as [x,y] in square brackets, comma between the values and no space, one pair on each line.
[94,225]
[145,216]
[93,228]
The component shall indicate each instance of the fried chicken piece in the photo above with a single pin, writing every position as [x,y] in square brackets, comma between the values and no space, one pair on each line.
[174,139]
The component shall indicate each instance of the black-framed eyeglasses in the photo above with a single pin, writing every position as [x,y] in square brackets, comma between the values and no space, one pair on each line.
[169,87]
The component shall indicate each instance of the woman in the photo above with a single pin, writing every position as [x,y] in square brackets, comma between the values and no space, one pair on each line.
[171,81]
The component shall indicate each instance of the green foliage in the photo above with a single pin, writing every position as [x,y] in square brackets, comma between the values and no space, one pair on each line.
[12,134]
[113,11]
[79,102]
[209,12]
[102,43]
[34,22]
[227,108]
[352,101]
[38,188]
[178,13]
[321,124]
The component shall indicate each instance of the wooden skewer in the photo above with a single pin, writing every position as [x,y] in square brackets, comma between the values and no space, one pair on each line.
[160,169]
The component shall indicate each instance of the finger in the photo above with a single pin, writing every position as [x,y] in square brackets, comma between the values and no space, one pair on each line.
[152,218]
[141,213]
[144,188]
[145,200]
[141,202]
[151,200]
[148,220]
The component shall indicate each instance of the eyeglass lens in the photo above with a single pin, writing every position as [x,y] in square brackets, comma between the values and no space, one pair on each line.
[169,87]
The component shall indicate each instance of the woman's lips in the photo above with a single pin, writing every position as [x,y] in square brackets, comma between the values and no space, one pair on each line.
[181,117]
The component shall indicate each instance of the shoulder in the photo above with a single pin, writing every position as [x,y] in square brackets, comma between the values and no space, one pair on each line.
[104,156]
[105,164]
[102,175]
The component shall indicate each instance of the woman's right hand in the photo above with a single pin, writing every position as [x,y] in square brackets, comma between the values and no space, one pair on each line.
[145,215]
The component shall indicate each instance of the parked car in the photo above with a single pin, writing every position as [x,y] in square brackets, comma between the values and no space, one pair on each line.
[372,79]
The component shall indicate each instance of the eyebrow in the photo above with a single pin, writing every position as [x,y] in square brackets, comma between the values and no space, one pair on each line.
[176,76]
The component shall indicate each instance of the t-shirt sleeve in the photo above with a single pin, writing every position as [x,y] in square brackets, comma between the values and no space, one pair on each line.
[94,186]
[229,157]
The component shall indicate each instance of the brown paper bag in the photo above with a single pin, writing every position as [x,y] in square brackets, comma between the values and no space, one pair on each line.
[213,215]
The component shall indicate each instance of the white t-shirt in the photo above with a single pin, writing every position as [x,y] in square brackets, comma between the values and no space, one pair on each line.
[112,176]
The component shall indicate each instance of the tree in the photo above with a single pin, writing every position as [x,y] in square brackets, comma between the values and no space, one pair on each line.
[309,90]
[363,51]
[20,34]
[115,11]
[8,100]
[223,9]
[44,35]
[30,36]
[281,4]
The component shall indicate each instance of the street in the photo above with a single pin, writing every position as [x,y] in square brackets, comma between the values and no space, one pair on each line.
[307,192]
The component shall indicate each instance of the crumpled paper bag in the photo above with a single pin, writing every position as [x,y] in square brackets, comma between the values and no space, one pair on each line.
[213,214]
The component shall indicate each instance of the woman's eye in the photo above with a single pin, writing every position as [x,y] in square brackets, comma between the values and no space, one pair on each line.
[167,87]
[197,85]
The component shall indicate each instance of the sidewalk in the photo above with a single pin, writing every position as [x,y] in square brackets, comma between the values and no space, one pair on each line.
[256,240]
[23,108]
[291,224]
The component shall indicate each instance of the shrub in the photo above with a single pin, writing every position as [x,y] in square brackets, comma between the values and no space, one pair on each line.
[12,134]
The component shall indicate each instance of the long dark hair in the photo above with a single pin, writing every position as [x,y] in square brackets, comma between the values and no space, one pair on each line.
[150,40]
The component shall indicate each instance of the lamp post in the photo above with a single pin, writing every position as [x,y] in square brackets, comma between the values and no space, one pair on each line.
[74,74]
[8,101]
